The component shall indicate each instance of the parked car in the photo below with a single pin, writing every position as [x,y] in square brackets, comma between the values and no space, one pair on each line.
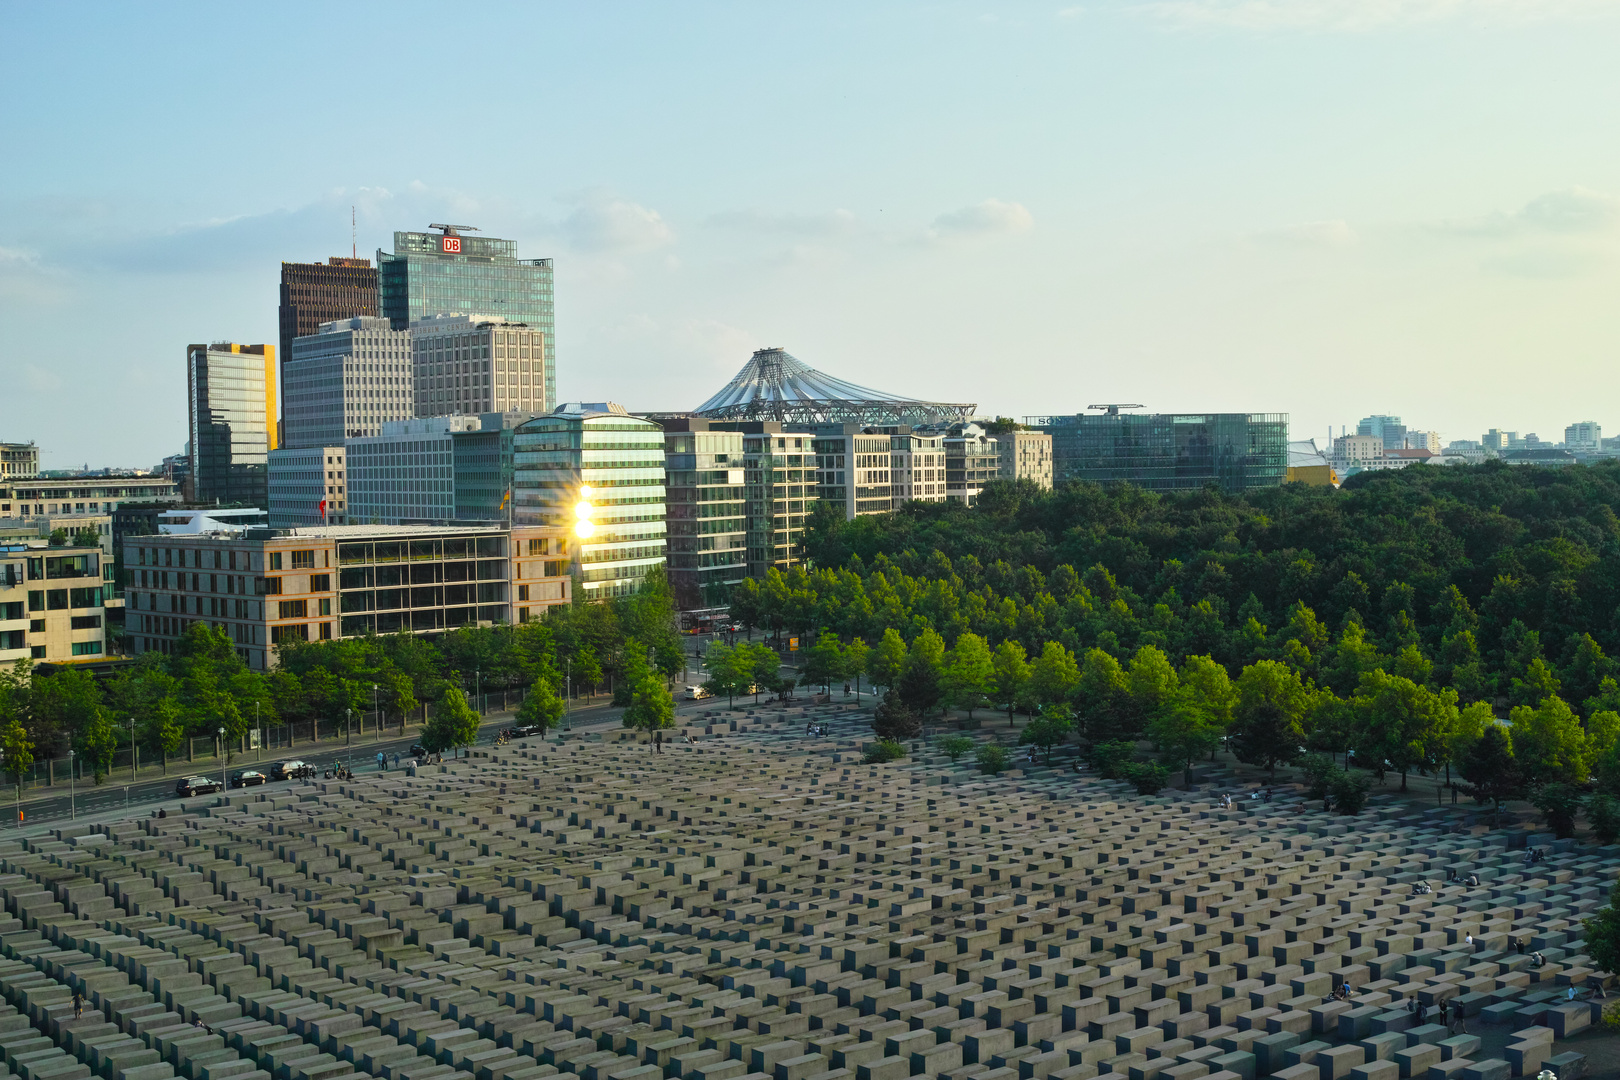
[248,778]
[196,785]
[291,770]
[527,731]
[418,750]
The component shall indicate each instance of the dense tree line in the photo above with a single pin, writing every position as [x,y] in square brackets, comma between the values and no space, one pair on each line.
[1393,622]
[630,645]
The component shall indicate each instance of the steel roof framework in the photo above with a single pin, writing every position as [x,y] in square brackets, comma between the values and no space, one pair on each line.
[775,385]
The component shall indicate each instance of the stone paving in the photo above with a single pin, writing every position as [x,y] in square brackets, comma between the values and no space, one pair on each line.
[759,905]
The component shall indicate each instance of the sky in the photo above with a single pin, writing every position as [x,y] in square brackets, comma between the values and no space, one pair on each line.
[1327,208]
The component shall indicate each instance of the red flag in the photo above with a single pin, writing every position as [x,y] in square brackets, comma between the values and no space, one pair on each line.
[323,510]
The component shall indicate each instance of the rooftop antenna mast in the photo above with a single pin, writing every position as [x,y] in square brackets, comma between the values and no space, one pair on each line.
[354,242]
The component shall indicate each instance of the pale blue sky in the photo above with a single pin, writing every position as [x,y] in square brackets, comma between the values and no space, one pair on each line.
[1317,207]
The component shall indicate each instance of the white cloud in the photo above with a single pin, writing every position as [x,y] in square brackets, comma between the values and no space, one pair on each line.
[1361,15]
[1333,234]
[992,217]
[605,223]
[1574,212]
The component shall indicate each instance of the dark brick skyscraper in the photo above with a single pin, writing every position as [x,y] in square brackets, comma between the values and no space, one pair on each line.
[313,293]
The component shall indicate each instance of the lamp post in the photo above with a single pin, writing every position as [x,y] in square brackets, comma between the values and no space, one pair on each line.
[568,697]
[348,719]
[478,692]
[224,785]
[133,762]
[258,725]
[73,801]
[374,713]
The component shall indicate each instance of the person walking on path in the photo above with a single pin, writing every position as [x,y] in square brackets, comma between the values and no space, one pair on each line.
[78,1003]
[382,761]
[1458,1024]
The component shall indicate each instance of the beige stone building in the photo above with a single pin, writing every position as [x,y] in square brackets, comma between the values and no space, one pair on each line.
[51,603]
[1026,455]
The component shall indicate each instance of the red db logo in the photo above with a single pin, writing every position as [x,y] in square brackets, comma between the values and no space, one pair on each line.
[452,245]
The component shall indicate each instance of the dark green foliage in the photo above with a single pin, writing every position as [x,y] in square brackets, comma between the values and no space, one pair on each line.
[883,750]
[992,758]
[1320,772]
[1559,804]
[894,720]
[1110,759]
[954,746]
[1490,768]
[1603,813]
[1349,791]
[1603,934]
[1048,731]
[1149,777]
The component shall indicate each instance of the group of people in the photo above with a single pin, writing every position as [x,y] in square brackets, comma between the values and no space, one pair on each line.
[382,761]
[1227,800]
[814,731]
[1535,855]
[1471,881]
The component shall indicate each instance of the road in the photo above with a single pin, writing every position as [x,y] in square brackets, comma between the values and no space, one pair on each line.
[84,798]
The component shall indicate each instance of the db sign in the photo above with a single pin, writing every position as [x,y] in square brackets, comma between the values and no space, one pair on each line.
[450,245]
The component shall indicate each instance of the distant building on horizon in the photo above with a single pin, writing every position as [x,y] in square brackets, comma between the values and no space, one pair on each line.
[1388,428]
[307,486]
[1169,451]
[231,421]
[474,364]
[432,274]
[316,293]
[1025,455]
[1584,435]
[19,459]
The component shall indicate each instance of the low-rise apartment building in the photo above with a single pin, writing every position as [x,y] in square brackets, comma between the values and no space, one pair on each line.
[51,603]
[265,586]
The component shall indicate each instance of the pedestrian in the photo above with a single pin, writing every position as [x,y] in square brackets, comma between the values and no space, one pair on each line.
[78,1003]
[1469,940]
[1421,1014]
[1458,1024]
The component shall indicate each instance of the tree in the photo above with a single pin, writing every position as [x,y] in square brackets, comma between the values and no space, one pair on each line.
[824,663]
[1151,681]
[1054,674]
[452,725]
[542,707]
[954,746]
[1603,812]
[921,684]
[1148,777]
[97,740]
[857,654]
[1490,768]
[764,667]
[1103,697]
[1011,673]
[894,719]
[1049,730]
[587,669]
[725,668]
[887,660]
[1603,934]
[1548,743]
[17,748]
[969,672]
[1558,803]
[398,694]
[1349,791]
[1183,729]
[651,709]
[1268,721]
[161,730]
[1400,719]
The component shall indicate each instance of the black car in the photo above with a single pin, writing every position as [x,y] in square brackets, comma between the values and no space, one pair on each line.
[527,731]
[418,750]
[196,785]
[248,778]
[291,770]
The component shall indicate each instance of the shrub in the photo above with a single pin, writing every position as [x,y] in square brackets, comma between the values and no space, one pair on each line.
[1110,759]
[893,720]
[1349,792]
[1320,773]
[883,750]
[992,758]
[954,746]
[1148,776]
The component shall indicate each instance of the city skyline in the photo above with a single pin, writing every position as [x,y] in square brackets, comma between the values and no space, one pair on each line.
[1197,205]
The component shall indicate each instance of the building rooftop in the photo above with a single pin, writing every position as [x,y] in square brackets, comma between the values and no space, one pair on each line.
[775,385]
[343,532]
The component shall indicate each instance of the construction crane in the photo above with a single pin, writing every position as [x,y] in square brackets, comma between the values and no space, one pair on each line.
[455,230]
[1113,410]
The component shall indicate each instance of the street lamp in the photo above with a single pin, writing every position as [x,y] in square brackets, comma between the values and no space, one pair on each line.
[72,790]
[375,714]
[348,718]
[568,697]
[224,785]
[133,763]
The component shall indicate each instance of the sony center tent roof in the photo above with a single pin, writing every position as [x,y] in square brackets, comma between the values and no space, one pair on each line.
[775,385]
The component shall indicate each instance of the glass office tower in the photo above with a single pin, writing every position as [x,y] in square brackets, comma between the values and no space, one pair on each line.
[1170,451]
[599,472]
[231,410]
[432,274]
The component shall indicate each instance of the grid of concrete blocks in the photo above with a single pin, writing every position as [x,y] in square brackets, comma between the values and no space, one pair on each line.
[758,904]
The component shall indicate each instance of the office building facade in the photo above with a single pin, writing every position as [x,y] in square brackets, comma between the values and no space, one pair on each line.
[231,413]
[52,603]
[599,471]
[469,364]
[1025,455]
[435,274]
[307,487]
[346,380]
[1388,428]
[263,587]
[83,494]
[1170,451]
[780,488]
[707,548]
[1585,435]
[481,462]
[854,469]
[316,293]
[18,459]
[407,474]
